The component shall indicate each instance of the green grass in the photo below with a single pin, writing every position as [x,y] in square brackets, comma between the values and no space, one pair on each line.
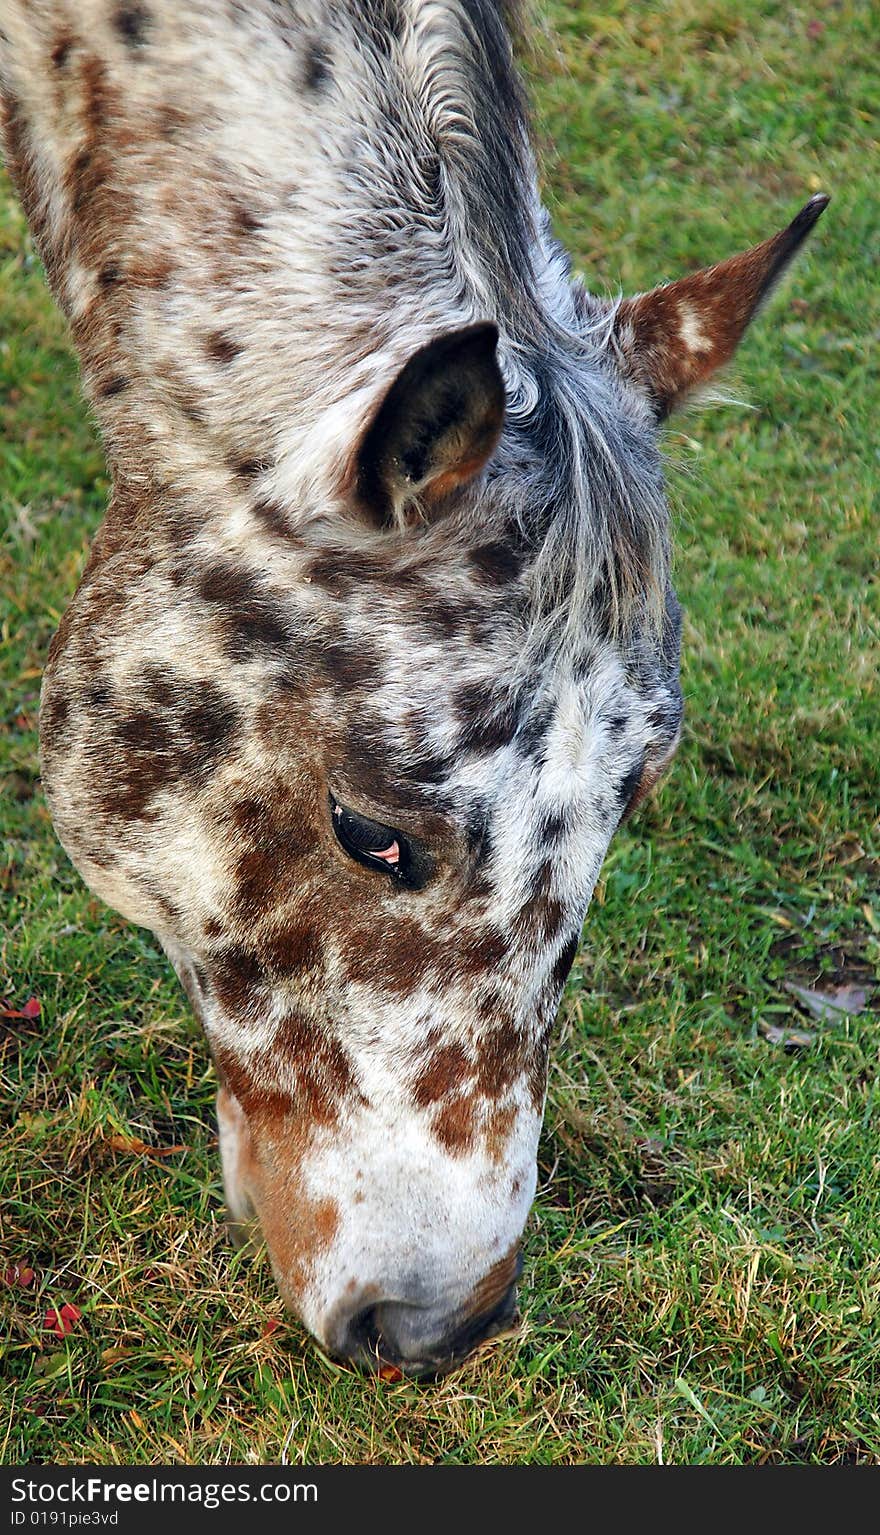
[702,1275]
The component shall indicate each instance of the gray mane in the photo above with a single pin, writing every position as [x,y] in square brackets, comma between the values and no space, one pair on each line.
[578,461]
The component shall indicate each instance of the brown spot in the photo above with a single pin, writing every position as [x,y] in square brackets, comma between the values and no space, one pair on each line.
[221,347]
[541,915]
[454,1124]
[244,220]
[235,976]
[350,666]
[490,1005]
[247,468]
[499,1125]
[262,876]
[318,1067]
[340,570]
[150,271]
[251,617]
[99,97]
[275,835]
[537,1070]
[133,22]
[316,66]
[297,1233]
[114,385]
[289,947]
[249,816]
[496,564]
[488,721]
[447,1071]
[148,751]
[54,712]
[395,956]
[564,963]
[61,48]
[272,1147]
[138,768]
[445,619]
[474,954]
[273,518]
[501,1058]
[542,880]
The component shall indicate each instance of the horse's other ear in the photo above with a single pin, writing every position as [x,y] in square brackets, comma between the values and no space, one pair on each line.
[436,427]
[672,340]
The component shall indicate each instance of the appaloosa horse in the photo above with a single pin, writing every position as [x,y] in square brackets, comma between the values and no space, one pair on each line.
[376,645]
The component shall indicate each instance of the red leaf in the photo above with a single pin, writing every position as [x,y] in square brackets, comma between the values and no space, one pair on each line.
[391,1373]
[271,1324]
[19,1274]
[63,1322]
[31,1009]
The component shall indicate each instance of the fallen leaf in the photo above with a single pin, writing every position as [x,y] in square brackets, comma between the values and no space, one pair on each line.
[31,1009]
[790,1039]
[832,1005]
[19,1274]
[62,1322]
[114,1355]
[128,1144]
[391,1373]
[132,1146]
[271,1324]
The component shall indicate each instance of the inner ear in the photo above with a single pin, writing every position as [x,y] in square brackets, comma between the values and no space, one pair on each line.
[437,426]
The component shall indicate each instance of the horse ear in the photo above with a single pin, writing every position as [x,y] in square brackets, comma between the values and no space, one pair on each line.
[436,427]
[672,340]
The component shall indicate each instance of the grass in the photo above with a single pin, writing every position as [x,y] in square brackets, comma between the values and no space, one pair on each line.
[702,1274]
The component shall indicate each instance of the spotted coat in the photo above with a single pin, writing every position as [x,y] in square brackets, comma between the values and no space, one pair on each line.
[387,548]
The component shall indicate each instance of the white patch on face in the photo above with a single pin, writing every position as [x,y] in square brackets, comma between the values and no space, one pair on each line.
[573,749]
[414,1222]
[691,331]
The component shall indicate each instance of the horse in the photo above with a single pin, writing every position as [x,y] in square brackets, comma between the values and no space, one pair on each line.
[377,644]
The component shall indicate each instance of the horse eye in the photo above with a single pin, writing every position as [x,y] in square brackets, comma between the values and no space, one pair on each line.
[368,842]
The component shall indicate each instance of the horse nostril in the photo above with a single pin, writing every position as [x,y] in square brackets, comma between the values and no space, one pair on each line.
[478,1328]
[412,1338]
[364,1337]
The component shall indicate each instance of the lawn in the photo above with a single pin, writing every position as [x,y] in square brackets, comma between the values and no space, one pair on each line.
[702,1265]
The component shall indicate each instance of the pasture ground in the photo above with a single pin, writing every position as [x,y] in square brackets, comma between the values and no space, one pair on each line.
[702,1275]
